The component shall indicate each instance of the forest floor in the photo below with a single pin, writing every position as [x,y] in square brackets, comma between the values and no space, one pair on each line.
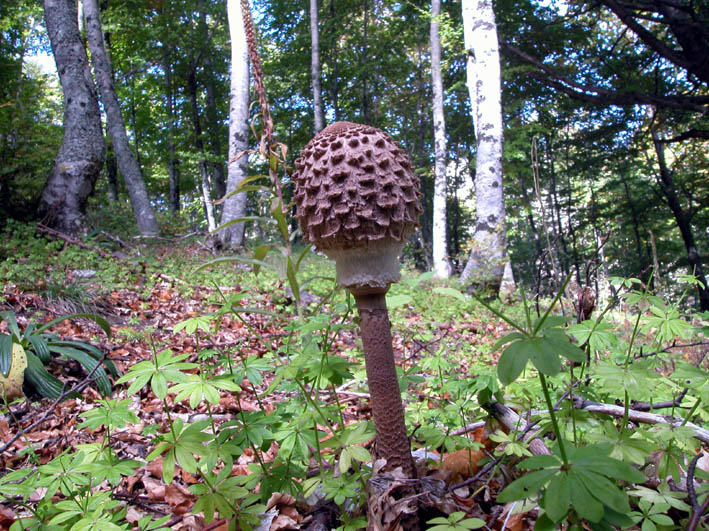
[144,297]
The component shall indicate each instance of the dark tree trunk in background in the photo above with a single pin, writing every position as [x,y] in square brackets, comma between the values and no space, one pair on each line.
[636,226]
[173,164]
[199,144]
[366,110]
[527,201]
[335,83]
[143,210]
[215,133]
[555,208]
[80,157]
[666,182]
[111,171]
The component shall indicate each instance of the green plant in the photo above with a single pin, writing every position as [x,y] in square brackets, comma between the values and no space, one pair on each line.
[39,346]
[455,522]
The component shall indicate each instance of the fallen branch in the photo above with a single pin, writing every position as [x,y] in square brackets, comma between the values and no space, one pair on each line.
[640,417]
[70,239]
[513,422]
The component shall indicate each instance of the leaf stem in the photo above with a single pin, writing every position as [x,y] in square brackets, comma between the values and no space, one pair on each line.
[552,415]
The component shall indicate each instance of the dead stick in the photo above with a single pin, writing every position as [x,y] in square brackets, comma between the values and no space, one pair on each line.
[56,234]
[639,416]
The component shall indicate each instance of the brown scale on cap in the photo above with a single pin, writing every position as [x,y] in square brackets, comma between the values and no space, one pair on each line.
[355,185]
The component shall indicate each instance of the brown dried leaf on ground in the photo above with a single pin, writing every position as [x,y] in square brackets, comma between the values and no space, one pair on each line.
[288,516]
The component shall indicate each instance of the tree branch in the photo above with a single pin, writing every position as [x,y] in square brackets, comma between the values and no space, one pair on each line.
[645,35]
[603,96]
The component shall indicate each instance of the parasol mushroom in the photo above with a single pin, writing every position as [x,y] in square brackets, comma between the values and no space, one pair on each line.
[357,200]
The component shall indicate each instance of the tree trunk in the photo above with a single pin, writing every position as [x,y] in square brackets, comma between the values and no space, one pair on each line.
[173,164]
[636,226]
[111,171]
[335,84]
[364,63]
[319,115]
[143,210]
[441,265]
[80,157]
[215,133]
[199,144]
[667,185]
[235,206]
[487,257]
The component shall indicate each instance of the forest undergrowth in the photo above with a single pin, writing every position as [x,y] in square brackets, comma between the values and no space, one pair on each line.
[238,405]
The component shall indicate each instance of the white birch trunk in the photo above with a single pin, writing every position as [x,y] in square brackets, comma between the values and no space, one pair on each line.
[319,115]
[487,257]
[441,266]
[235,205]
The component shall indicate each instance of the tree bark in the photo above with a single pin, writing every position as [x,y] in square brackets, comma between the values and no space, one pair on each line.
[143,210]
[669,190]
[335,83]
[235,206]
[487,257]
[199,144]
[441,265]
[319,115]
[214,129]
[173,164]
[111,171]
[364,63]
[80,157]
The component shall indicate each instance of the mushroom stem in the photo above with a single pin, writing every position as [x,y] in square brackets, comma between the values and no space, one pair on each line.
[392,443]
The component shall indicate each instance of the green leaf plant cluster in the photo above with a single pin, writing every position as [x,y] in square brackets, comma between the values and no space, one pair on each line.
[40,347]
[609,472]
[291,422]
[602,472]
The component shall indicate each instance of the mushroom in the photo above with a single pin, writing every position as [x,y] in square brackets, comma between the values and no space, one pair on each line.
[357,200]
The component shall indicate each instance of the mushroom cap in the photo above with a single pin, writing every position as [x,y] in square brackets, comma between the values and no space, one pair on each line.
[357,199]
[354,185]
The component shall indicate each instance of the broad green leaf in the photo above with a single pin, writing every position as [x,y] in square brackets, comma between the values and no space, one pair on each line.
[526,486]
[260,254]
[557,497]
[603,490]
[560,342]
[512,362]
[6,348]
[277,213]
[44,382]
[293,279]
[540,461]
[544,356]
[585,505]
[508,338]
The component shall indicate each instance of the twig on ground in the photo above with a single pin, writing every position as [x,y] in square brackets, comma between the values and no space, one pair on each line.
[647,406]
[697,516]
[690,482]
[115,239]
[666,349]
